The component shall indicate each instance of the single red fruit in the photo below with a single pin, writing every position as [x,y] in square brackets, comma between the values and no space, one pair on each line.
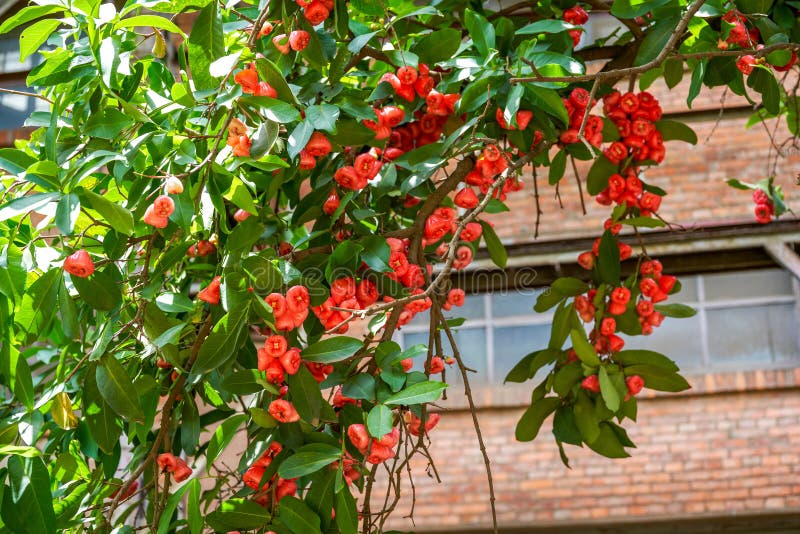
[79,264]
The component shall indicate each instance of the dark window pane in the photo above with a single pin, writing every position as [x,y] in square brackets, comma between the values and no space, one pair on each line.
[514,342]
[752,335]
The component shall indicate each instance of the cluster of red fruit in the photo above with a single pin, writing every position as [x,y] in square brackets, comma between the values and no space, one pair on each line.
[276,358]
[634,116]
[765,209]
[248,79]
[656,286]
[491,163]
[346,294]
[316,11]
[252,478]
[576,16]
[417,427]
[747,37]
[409,83]
[202,248]
[157,214]
[238,139]
[356,176]
[291,310]
[375,450]
[79,264]
[576,105]
[169,463]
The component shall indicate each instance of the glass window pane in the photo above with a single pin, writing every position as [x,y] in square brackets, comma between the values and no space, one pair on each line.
[752,335]
[748,284]
[512,343]
[515,303]
[471,343]
[688,292]
[677,339]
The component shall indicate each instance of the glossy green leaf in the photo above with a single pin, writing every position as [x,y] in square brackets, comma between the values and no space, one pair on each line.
[309,459]
[116,387]
[419,393]
[333,349]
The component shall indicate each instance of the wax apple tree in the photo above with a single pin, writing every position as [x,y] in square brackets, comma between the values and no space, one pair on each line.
[228,209]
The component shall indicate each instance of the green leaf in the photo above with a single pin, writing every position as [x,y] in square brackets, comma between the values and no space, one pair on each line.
[643,222]
[274,109]
[38,306]
[545,26]
[35,35]
[763,80]
[557,167]
[673,72]
[244,382]
[676,131]
[172,504]
[332,349]
[496,249]
[206,44]
[265,275]
[586,419]
[438,45]
[23,384]
[645,357]
[599,173]
[655,40]
[379,421]
[630,9]
[27,502]
[100,291]
[481,31]
[696,84]
[117,389]
[153,21]
[309,459]
[658,378]
[222,437]
[376,253]
[299,138]
[323,117]
[298,517]
[419,393]
[306,395]
[67,211]
[564,427]
[569,286]
[346,513]
[583,348]
[27,14]
[608,259]
[262,418]
[547,300]
[117,216]
[242,514]
[270,73]
[107,123]
[608,443]
[360,386]
[531,421]
[680,311]
[99,416]
[566,377]
[27,203]
[608,391]
[224,340]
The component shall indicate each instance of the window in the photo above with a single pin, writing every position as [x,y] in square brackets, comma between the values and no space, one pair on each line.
[745,320]
[16,108]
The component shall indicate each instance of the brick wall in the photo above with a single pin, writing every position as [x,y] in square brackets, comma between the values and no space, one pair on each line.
[724,454]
